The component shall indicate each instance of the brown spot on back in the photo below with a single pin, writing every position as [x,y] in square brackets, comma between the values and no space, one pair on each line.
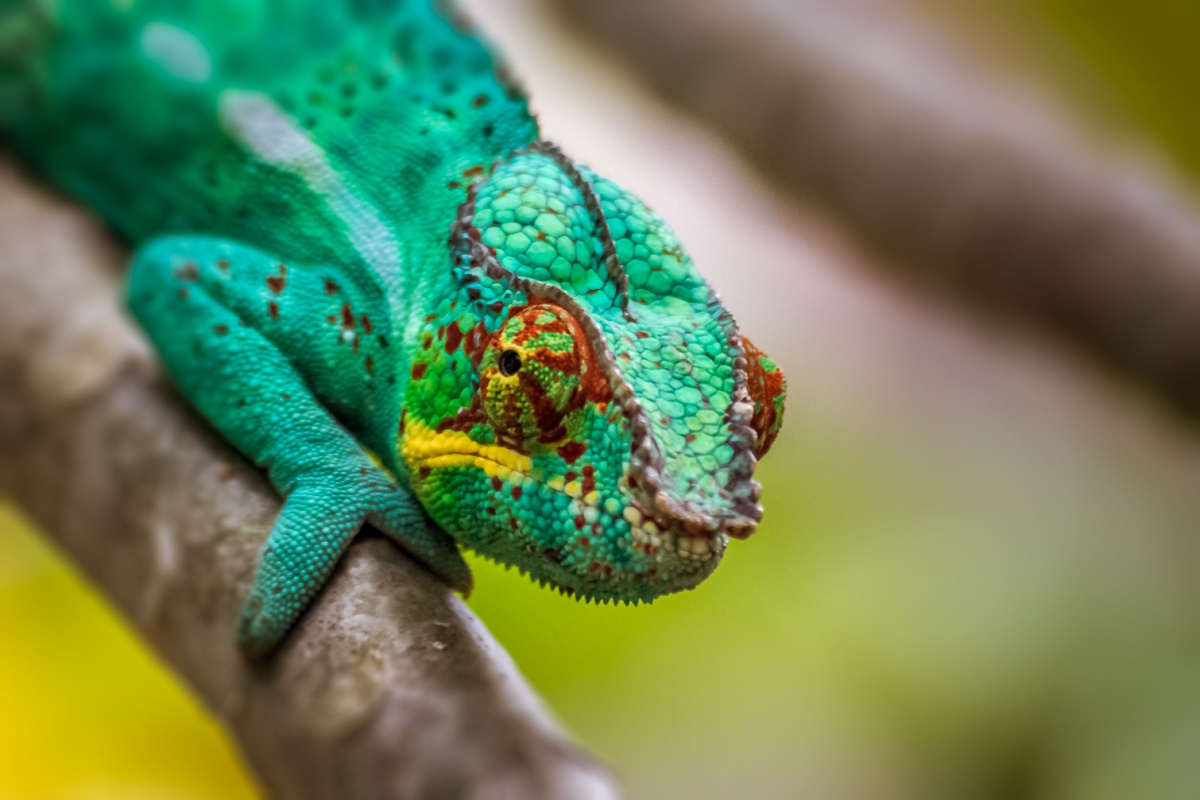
[223,264]
[366,323]
[331,287]
[480,101]
[454,336]
[418,371]
[497,484]
[188,272]
[273,309]
[276,283]
[221,330]
[516,493]
[347,316]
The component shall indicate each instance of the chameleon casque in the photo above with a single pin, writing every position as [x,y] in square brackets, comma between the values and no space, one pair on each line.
[362,266]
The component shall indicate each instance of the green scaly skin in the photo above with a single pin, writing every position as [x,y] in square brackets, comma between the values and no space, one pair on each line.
[360,264]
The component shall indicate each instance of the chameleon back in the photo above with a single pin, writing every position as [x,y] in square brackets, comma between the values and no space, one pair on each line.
[351,111]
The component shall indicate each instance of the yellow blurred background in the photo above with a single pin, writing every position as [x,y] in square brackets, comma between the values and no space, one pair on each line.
[977,577]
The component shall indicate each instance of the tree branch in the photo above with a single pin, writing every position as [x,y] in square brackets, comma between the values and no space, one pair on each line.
[389,688]
[969,185]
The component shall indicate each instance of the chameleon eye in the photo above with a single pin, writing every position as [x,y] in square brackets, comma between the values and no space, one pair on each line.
[510,363]
[531,377]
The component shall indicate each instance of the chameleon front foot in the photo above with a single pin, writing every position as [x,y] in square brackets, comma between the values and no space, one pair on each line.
[317,523]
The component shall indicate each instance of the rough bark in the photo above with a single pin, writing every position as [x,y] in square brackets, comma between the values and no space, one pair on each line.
[389,688]
[970,185]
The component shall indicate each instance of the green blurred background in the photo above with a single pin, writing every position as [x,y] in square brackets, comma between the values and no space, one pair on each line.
[977,577]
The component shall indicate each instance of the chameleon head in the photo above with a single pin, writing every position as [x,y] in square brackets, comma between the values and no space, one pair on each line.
[581,405]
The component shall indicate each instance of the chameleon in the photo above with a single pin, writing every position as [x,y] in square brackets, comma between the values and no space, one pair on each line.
[358,260]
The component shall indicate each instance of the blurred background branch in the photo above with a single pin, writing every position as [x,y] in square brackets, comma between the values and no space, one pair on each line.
[390,688]
[969,184]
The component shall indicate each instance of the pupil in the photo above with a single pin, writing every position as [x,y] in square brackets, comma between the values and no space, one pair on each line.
[510,362]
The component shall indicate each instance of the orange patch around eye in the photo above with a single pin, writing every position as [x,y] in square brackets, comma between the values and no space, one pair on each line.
[764,387]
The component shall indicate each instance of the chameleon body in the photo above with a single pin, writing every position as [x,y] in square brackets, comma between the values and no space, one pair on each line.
[360,264]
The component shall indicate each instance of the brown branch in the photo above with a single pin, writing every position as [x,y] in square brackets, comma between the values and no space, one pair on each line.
[389,688]
[970,186]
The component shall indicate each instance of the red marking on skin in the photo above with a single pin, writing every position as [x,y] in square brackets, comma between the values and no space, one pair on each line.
[428,342]
[624,356]
[480,101]
[454,337]
[431,318]
[473,343]
[763,387]
[277,283]
[689,438]
[273,309]
[496,307]
[643,335]
[497,484]
[512,523]
[473,172]
[221,330]
[597,528]
[589,480]
[516,493]
[580,522]
[583,541]
[453,304]
[491,511]
[347,316]
[331,319]
[632,482]
[223,264]
[570,476]
[553,435]
[366,323]
[466,418]
[370,365]
[425,472]
[441,332]
[571,451]
[287,397]
[418,371]
[331,287]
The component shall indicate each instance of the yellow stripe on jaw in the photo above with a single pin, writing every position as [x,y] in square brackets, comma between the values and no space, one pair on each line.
[425,447]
